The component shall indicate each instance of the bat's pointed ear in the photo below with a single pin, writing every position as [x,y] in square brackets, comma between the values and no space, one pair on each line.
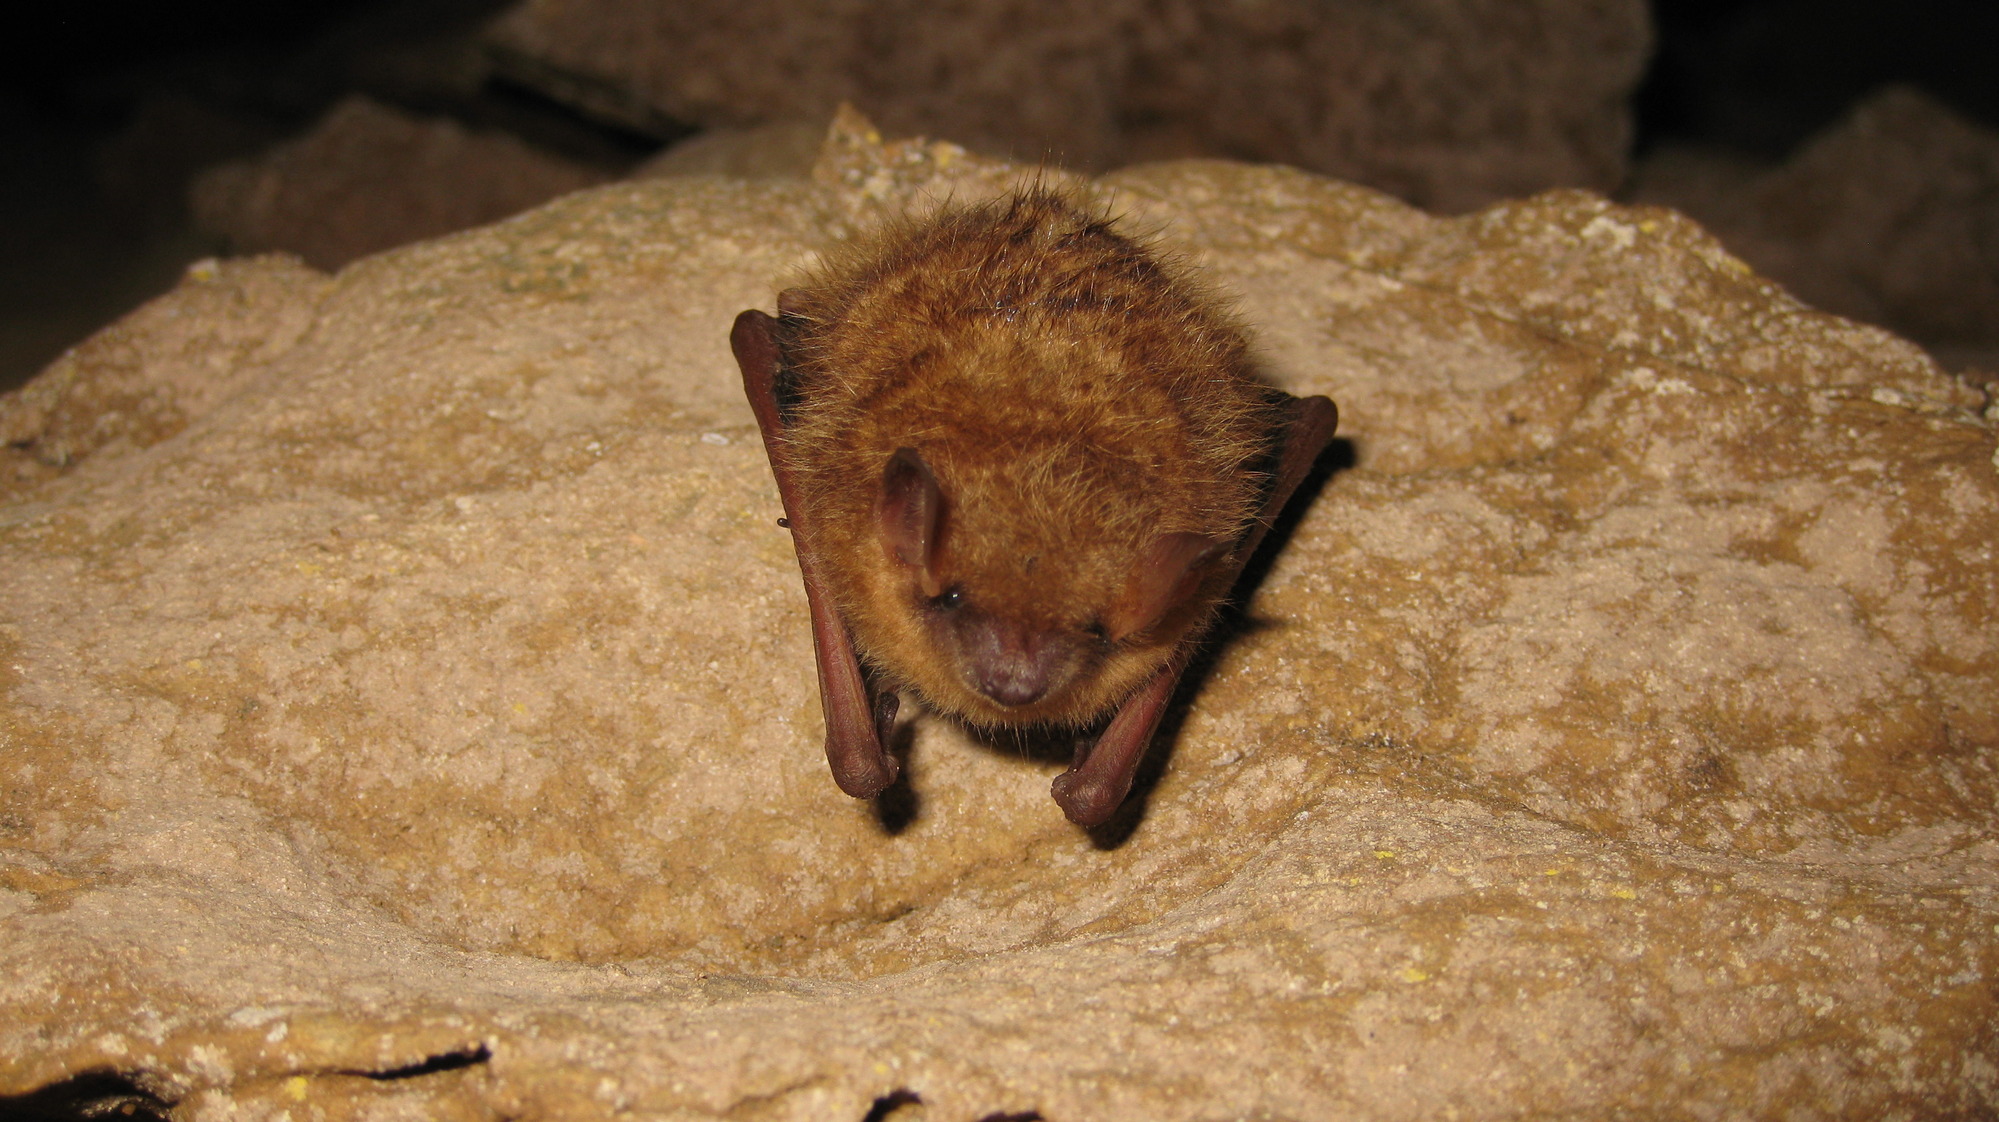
[1169,571]
[909,512]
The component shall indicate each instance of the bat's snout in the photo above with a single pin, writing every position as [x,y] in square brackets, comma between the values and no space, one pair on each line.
[1013,686]
[1011,664]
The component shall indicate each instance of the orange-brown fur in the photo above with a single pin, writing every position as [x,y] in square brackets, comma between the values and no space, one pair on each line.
[1076,397]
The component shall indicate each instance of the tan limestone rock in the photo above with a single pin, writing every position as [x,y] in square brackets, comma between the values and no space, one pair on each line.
[424,724]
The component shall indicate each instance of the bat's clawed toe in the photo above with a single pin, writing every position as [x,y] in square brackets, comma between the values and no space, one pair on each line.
[887,704]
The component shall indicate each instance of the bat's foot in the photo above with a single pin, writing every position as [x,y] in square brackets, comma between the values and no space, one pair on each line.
[886,705]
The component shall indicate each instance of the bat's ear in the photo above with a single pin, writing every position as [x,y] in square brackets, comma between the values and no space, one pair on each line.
[908,512]
[1168,572]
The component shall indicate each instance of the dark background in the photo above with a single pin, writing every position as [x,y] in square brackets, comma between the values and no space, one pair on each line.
[90,227]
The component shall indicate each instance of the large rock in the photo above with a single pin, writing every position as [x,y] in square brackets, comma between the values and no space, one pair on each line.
[368,177]
[1448,103]
[1890,215]
[424,725]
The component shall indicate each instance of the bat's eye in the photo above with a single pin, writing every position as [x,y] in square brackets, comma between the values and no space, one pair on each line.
[949,599]
[1096,630]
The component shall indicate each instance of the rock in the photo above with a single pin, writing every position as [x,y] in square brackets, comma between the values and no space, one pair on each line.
[779,150]
[145,377]
[1891,216]
[369,177]
[1447,103]
[424,725]
[143,170]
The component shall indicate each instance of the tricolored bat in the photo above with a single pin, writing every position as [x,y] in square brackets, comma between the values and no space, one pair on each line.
[1023,458]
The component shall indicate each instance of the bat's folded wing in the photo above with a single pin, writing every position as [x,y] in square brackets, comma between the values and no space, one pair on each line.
[858,719]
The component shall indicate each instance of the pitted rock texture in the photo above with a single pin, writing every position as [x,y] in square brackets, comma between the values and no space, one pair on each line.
[414,714]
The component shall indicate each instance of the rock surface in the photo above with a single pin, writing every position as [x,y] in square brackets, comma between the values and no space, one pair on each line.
[1446,103]
[408,706]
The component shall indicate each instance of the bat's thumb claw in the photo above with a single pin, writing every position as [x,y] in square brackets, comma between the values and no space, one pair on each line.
[866,778]
[1085,799]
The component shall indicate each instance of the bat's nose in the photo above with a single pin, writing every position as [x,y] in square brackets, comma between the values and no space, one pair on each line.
[1012,664]
[1013,686]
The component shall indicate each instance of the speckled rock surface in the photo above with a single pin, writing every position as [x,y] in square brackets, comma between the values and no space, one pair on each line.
[414,716]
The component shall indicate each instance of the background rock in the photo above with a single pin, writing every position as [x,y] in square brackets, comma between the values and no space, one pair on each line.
[368,177]
[426,726]
[1446,103]
[779,150]
[107,120]
[1890,215]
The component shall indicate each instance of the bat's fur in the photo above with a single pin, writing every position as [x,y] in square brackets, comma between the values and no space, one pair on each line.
[1076,397]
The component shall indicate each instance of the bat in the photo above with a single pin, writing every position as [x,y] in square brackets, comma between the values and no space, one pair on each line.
[1023,458]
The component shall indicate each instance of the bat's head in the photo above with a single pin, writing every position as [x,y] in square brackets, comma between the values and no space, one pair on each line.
[1014,622]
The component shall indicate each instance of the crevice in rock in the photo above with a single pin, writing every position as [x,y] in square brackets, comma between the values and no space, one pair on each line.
[90,1095]
[443,1061]
[890,1103]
